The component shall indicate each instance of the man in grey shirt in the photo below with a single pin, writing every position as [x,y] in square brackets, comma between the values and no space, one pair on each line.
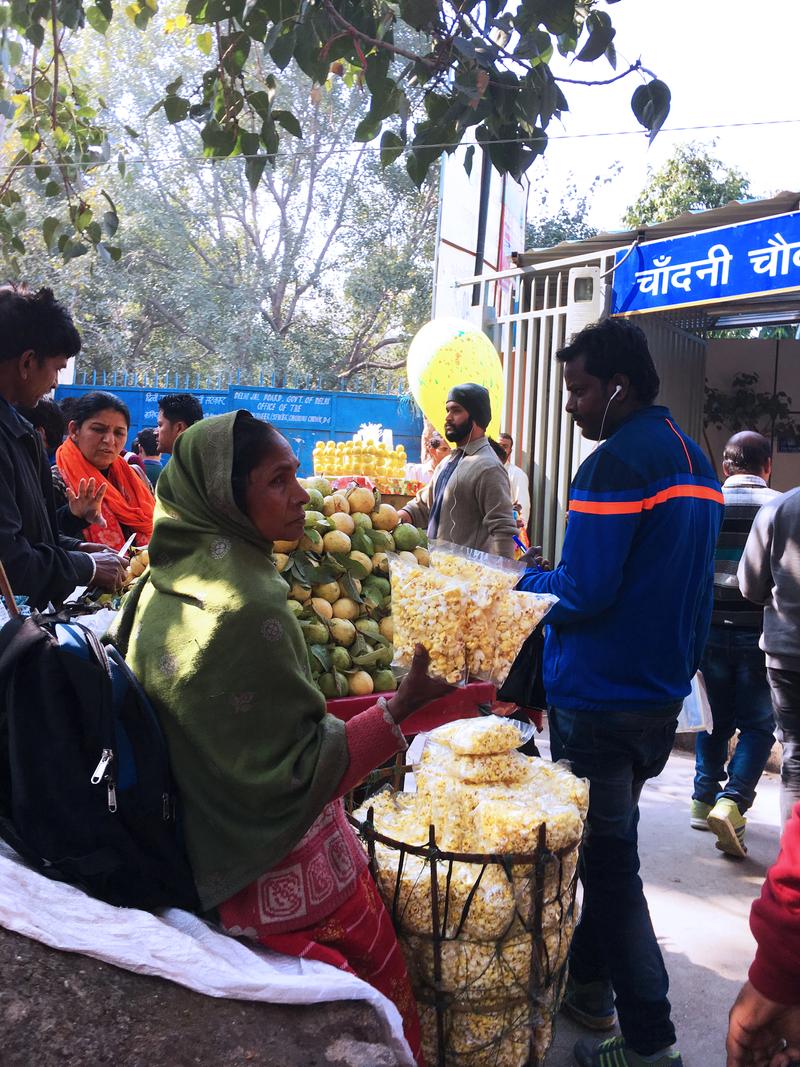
[468,500]
[769,574]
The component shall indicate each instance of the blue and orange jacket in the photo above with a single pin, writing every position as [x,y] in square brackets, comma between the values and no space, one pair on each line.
[635,581]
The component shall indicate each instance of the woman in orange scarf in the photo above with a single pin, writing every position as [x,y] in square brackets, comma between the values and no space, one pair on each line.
[93,449]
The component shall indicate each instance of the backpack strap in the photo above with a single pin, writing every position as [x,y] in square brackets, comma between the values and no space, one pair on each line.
[17,638]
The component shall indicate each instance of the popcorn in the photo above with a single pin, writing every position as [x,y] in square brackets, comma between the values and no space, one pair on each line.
[497,617]
[503,767]
[488,735]
[505,928]
[427,609]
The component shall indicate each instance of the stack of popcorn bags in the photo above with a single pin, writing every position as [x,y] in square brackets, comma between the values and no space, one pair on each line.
[465,610]
[506,906]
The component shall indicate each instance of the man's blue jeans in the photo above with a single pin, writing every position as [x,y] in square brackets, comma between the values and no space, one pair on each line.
[614,940]
[736,680]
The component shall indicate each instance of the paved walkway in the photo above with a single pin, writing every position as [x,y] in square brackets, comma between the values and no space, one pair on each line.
[700,904]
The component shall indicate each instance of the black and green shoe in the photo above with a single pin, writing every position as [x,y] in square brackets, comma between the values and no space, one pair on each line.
[615,1053]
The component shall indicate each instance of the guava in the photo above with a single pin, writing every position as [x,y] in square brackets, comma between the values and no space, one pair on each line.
[322,486]
[315,500]
[342,631]
[281,561]
[322,607]
[387,628]
[284,546]
[363,559]
[340,658]
[335,504]
[360,684]
[380,563]
[311,541]
[295,607]
[361,520]
[345,608]
[361,500]
[316,633]
[313,517]
[299,592]
[336,541]
[329,591]
[385,681]
[385,517]
[341,520]
[423,556]
[380,587]
[368,627]
[409,557]
[406,538]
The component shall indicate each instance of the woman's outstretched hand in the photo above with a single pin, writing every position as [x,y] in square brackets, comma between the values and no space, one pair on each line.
[417,688]
[87,503]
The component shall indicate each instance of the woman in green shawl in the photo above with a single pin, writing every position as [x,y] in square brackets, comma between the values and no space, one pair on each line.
[260,766]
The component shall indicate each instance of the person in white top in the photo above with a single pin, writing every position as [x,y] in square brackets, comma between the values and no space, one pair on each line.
[436,449]
[520,493]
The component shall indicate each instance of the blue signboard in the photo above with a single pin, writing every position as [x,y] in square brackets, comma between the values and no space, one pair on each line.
[300,410]
[749,259]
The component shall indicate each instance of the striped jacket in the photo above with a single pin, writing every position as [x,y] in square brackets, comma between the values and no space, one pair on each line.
[636,576]
[744,495]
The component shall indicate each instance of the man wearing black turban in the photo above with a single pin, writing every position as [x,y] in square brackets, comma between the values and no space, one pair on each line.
[468,501]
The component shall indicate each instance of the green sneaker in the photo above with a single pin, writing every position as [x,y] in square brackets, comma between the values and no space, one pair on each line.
[615,1053]
[728,824]
[698,815]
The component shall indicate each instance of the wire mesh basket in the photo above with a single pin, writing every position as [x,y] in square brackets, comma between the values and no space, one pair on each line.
[485,937]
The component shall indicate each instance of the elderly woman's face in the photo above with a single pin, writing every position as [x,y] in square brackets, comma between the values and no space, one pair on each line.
[274,497]
[101,437]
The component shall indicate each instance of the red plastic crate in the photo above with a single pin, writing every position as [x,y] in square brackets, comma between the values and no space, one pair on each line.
[462,703]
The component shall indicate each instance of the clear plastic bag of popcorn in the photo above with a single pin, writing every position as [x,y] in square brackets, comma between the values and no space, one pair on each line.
[486,574]
[503,767]
[487,735]
[482,972]
[507,822]
[428,609]
[508,622]
[491,1038]
[557,781]
[402,816]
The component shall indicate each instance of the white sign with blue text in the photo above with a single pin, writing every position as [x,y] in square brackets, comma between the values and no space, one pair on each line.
[749,259]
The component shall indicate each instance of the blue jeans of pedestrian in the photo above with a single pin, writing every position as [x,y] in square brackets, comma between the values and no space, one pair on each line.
[785,687]
[614,941]
[736,681]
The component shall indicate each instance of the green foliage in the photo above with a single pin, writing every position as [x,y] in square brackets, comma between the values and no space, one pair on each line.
[691,180]
[430,73]
[547,227]
[323,268]
[742,408]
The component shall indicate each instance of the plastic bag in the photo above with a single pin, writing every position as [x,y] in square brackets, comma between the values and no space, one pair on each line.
[498,618]
[696,711]
[506,767]
[428,609]
[487,735]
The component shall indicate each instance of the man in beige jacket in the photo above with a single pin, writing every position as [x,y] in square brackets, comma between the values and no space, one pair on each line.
[468,501]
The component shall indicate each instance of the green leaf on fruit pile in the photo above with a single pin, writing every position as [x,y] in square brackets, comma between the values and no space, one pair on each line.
[370,659]
[320,654]
[360,542]
[348,587]
[353,567]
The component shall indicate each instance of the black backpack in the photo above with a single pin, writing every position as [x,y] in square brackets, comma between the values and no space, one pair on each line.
[86,792]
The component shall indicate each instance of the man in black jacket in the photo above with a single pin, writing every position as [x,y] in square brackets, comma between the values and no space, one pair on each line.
[37,337]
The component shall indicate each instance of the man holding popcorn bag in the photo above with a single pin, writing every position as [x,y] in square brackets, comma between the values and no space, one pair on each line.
[635,595]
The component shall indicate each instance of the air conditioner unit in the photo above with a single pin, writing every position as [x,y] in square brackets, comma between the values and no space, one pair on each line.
[586,299]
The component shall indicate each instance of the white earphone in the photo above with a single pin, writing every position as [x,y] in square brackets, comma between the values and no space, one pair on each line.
[616,391]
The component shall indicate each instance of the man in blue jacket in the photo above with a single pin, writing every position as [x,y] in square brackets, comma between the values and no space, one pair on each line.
[635,587]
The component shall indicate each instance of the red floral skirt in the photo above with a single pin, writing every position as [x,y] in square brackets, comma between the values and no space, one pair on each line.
[357,937]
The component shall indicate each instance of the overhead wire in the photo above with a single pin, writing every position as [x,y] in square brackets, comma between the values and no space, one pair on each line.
[352,147]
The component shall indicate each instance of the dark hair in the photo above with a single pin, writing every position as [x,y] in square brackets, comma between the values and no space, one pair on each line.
[90,403]
[751,455]
[253,440]
[48,416]
[615,346]
[498,449]
[35,320]
[507,436]
[148,441]
[181,407]
[68,405]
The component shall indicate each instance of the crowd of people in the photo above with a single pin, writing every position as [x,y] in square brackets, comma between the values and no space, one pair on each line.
[663,572]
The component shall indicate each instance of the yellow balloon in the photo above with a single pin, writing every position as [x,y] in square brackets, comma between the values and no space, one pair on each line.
[448,352]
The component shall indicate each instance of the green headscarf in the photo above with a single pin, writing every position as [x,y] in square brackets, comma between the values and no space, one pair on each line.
[209,635]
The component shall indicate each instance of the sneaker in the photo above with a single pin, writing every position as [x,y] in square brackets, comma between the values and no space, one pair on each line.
[698,815]
[728,824]
[615,1053]
[590,1004]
